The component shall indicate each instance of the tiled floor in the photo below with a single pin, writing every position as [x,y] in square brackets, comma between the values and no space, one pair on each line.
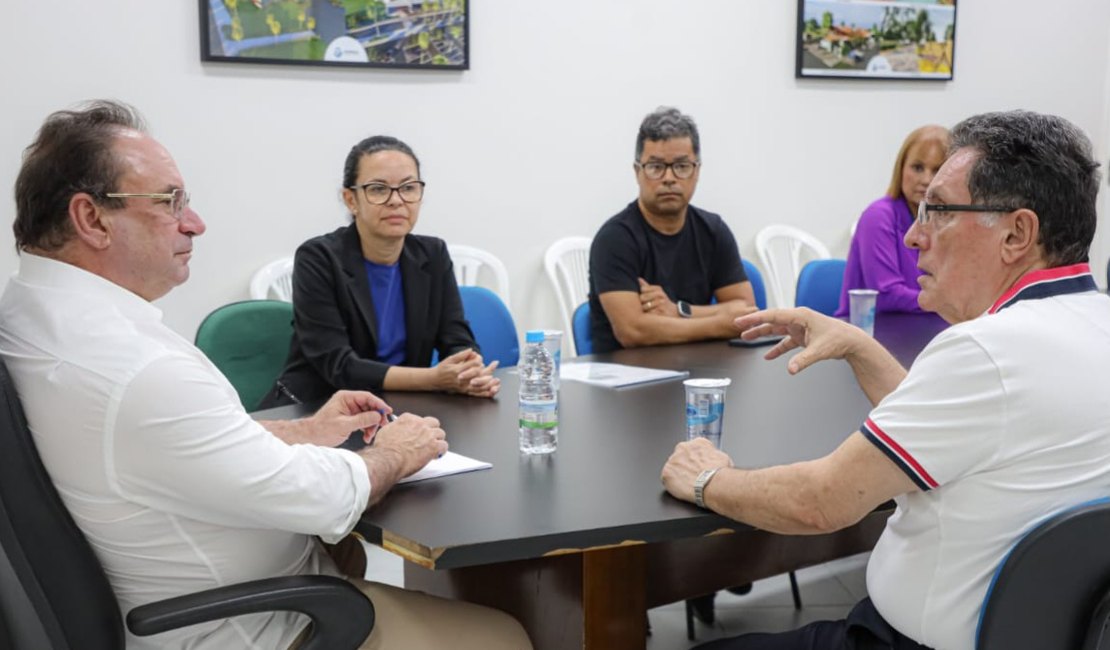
[828,592]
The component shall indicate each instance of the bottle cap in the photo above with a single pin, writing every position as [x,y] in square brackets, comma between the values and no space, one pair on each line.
[533,336]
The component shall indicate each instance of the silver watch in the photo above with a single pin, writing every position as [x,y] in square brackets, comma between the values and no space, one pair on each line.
[684,309]
[699,485]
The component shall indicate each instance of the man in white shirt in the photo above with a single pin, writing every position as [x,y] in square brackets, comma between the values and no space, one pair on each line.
[176,488]
[997,425]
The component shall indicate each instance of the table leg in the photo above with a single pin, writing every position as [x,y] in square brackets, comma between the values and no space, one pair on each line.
[595,600]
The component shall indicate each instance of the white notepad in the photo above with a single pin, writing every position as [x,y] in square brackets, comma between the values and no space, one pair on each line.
[450,463]
[616,375]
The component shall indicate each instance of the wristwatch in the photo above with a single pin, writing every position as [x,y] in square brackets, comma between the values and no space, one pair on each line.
[684,309]
[699,485]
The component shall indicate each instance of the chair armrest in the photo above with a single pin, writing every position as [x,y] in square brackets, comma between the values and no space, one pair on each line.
[342,616]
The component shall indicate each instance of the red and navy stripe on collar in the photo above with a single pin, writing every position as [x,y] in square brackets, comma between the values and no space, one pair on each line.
[1045,283]
[900,456]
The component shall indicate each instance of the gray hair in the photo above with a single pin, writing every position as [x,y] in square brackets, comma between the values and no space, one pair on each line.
[667,123]
[1040,162]
[72,152]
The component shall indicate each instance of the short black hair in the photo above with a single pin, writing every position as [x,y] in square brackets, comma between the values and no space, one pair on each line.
[1040,162]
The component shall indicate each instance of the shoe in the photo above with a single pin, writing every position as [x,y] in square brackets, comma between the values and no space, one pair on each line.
[702,607]
[741,590]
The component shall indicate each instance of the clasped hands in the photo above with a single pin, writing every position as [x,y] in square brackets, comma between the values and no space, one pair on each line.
[465,372]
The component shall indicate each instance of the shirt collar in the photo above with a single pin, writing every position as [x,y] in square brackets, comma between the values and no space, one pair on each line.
[44,271]
[1045,283]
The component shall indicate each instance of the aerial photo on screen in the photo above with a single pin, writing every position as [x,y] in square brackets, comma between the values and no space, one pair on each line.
[406,33]
[877,38]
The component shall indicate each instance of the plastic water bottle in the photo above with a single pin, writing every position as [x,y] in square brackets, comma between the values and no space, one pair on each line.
[539,399]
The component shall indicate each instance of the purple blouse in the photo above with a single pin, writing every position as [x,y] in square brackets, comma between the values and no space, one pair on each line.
[878,258]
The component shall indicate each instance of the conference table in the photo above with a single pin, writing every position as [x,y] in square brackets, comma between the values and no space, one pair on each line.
[578,544]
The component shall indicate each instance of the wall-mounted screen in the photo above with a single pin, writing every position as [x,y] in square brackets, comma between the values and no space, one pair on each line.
[876,39]
[430,34]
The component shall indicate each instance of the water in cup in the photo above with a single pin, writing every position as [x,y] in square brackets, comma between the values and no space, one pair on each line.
[553,341]
[861,309]
[705,408]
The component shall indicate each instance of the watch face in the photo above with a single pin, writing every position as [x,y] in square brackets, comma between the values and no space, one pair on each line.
[684,309]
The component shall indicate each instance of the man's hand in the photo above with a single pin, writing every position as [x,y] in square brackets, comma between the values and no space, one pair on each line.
[822,337]
[346,411]
[401,448]
[653,300]
[687,462]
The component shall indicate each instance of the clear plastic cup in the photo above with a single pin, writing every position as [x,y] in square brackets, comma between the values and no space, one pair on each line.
[861,309]
[705,408]
[553,342]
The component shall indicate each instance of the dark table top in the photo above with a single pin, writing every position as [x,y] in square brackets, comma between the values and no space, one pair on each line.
[601,487]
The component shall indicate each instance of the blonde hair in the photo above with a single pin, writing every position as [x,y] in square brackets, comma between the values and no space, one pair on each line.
[930,133]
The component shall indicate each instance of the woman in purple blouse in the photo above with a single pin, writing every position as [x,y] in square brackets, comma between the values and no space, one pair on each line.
[878,258]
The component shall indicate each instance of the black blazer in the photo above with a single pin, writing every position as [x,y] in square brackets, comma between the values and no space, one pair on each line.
[334,342]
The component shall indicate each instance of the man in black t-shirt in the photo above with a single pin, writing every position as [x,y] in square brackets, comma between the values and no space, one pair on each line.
[656,265]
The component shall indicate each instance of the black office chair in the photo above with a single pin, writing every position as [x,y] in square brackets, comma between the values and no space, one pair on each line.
[67,590]
[1053,589]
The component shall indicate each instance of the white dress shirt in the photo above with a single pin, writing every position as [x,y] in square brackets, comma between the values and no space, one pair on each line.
[176,488]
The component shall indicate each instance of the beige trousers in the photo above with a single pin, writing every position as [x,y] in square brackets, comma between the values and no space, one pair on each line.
[413,620]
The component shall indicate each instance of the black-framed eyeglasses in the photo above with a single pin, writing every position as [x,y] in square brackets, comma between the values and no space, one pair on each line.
[178,199]
[379,193]
[923,209]
[682,169]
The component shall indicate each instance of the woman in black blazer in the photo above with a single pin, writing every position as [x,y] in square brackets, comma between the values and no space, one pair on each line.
[372,301]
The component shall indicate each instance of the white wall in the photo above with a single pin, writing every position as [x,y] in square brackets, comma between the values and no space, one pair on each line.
[535,142]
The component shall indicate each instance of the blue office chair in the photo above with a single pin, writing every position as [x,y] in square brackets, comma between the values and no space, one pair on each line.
[1053,588]
[493,325]
[583,340]
[819,285]
[756,278]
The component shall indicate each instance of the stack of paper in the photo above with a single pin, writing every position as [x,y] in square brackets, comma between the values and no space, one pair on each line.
[616,375]
[449,463]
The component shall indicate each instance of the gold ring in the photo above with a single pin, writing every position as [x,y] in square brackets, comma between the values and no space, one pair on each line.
[649,304]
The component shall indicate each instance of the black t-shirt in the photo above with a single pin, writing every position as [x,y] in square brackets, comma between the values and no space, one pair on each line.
[690,265]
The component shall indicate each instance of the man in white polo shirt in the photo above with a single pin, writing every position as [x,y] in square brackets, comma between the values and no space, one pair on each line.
[997,425]
[176,488]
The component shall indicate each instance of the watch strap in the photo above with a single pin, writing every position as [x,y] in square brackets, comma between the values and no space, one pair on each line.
[699,485]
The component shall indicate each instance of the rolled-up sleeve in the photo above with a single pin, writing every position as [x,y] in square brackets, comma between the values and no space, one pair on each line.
[179,442]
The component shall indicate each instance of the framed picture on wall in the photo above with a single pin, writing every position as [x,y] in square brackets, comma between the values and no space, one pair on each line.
[876,39]
[428,34]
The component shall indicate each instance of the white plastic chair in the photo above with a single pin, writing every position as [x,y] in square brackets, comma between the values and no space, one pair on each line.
[274,281]
[783,251]
[567,262]
[469,261]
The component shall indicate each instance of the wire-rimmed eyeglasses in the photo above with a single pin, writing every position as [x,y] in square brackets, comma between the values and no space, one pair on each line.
[923,209]
[178,199]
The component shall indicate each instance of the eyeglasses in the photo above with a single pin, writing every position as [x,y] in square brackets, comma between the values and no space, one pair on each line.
[923,209]
[178,200]
[380,193]
[682,169]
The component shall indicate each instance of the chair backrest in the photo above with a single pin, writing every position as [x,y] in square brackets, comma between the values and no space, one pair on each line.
[469,262]
[756,278]
[819,285]
[249,342]
[567,263]
[1047,590]
[274,281]
[492,324]
[56,569]
[580,327]
[783,250]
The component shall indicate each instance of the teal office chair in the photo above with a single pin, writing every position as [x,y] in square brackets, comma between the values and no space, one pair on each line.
[492,324]
[248,341]
[583,340]
[756,278]
[819,285]
[1053,588]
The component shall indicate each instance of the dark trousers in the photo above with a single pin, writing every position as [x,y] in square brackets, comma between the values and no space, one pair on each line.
[864,629]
